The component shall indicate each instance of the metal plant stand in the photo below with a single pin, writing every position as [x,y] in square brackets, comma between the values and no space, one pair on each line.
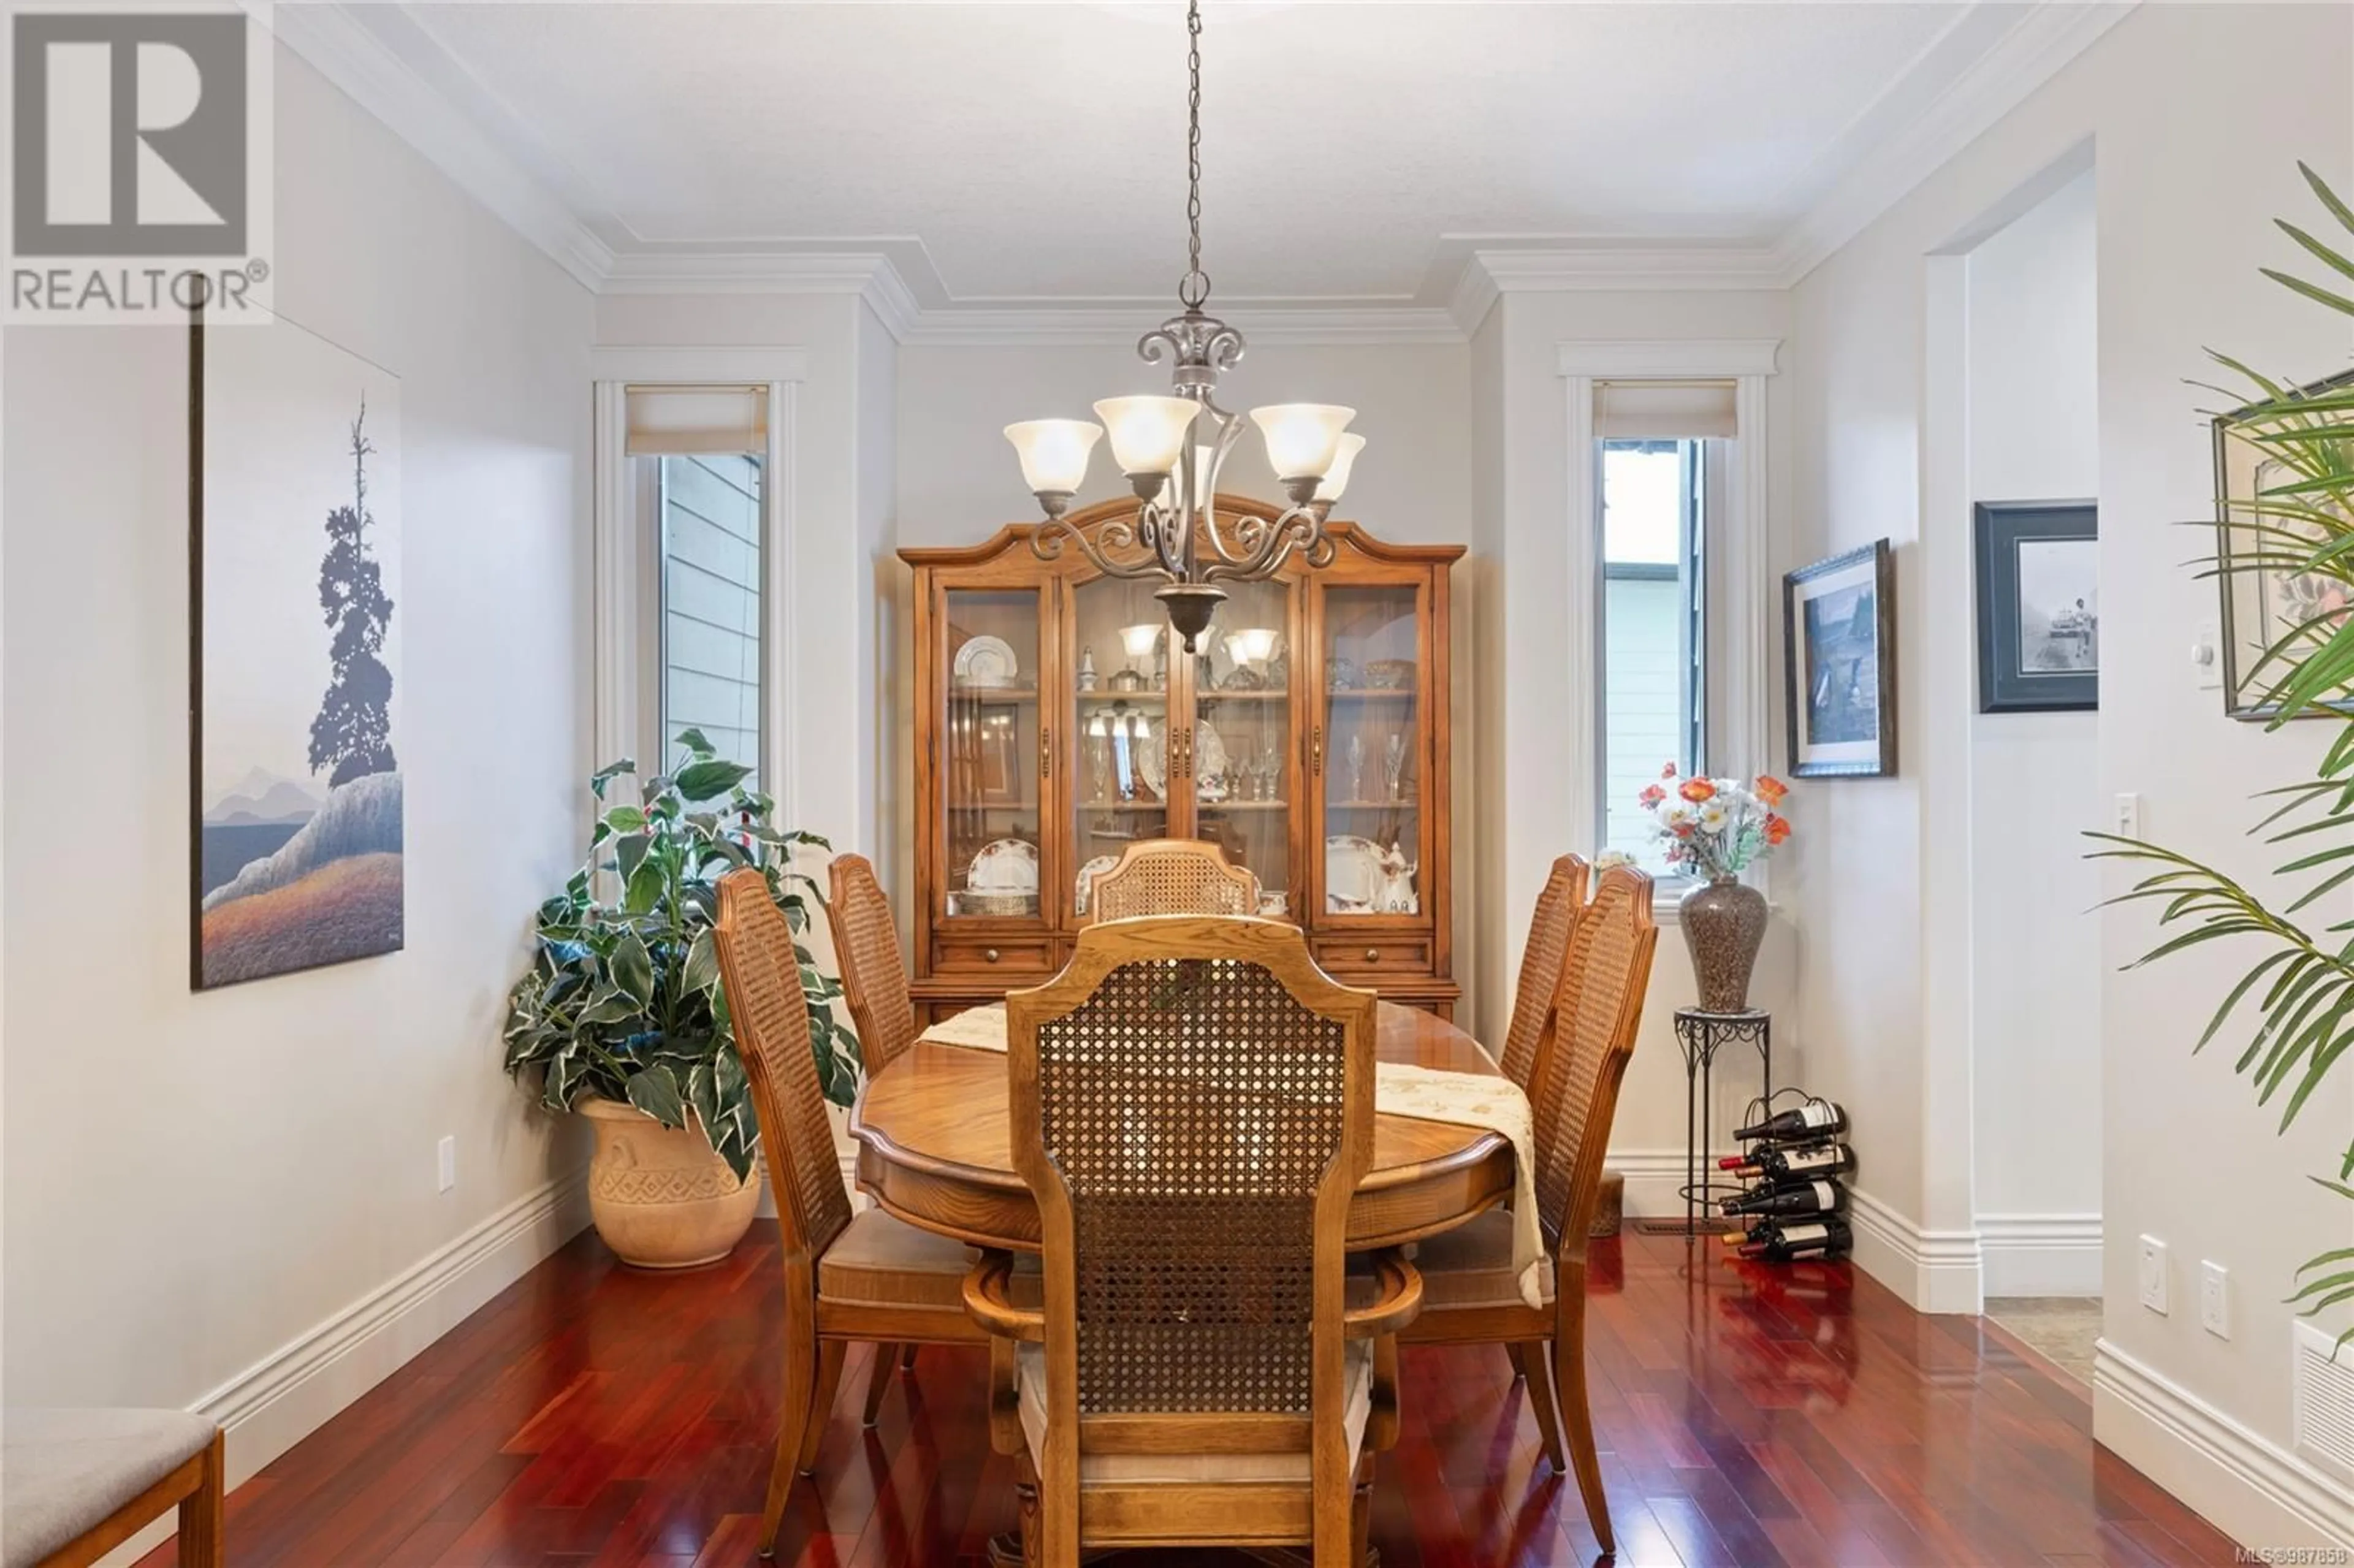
[1702,1035]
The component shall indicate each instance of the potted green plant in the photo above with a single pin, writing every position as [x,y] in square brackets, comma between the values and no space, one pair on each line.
[2298,992]
[622,1018]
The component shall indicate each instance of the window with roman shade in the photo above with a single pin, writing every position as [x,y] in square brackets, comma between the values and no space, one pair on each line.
[697,455]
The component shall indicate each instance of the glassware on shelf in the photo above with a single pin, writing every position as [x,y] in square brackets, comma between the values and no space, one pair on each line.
[1394,768]
[1356,766]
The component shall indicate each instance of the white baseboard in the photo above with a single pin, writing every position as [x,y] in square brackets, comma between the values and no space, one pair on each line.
[2250,1488]
[1655,1177]
[298,1388]
[2040,1254]
[1931,1271]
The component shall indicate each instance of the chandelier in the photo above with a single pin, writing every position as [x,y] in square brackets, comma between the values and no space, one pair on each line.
[1175,533]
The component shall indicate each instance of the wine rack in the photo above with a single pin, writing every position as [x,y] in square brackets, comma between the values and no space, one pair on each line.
[1793,1200]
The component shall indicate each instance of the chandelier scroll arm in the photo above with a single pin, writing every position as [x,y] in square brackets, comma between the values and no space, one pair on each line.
[1048,539]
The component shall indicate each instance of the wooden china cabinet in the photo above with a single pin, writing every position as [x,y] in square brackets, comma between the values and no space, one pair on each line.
[1057,721]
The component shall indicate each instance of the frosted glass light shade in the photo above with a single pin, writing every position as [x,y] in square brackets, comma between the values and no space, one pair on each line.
[1303,438]
[1053,452]
[1251,645]
[1336,478]
[1140,641]
[1146,433]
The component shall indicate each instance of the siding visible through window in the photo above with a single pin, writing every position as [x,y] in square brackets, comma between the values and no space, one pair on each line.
[711,604]
[1654,645]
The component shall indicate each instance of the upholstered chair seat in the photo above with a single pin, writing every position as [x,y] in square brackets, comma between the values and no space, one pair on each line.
[884,1260]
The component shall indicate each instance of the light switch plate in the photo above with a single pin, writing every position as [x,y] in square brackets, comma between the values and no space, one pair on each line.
[2153,1274]
[2207,659]
[2215,1300]
[2125,816]
[445,1159]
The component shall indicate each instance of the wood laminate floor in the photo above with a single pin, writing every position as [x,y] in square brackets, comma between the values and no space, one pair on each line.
[591,1416]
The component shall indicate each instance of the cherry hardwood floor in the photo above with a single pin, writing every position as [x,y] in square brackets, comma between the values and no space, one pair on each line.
[1749,1417]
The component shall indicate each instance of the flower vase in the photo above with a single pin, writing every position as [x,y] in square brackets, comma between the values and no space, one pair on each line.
[1724,921]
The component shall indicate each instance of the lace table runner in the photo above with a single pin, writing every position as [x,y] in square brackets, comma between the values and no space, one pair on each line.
[1425,1094]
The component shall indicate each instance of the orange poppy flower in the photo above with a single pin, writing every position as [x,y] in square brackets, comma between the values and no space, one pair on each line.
[1696,790]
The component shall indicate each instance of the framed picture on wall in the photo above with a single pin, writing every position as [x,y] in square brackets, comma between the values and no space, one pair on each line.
[2267,603]
[2038,599]
[1838,657]
[294,552]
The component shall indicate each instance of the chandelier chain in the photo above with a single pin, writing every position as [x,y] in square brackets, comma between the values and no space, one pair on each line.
[1193,289]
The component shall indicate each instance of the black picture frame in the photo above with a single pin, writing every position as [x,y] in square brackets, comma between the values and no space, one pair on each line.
[1840,675]
[2258,601]
[2037,657]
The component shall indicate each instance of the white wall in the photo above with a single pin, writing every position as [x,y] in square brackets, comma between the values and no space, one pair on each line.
[197,1183]
[1517,812]
[2032,365]
[838,523]
[2196,114]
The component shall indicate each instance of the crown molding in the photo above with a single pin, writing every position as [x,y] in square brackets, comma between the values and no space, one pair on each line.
[1667,359]
[1097,325]
[353,58]
[2045,38]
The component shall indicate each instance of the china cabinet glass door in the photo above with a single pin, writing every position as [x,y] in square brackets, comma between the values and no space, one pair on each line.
[1116,636]
[1244,755]
[1373,747]
[994,855]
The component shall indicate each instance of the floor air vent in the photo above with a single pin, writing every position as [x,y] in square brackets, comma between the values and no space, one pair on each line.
[2324,1399]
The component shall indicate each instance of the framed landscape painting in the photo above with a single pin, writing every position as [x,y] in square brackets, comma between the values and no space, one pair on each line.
[2039,595]
[294,550]
[1838,656]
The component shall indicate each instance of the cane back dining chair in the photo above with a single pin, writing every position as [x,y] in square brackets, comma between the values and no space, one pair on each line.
[1172,876]
[874,976]
[875,983]
[1470,1294]
[1192,1102]
[847,1276]
[1559,904]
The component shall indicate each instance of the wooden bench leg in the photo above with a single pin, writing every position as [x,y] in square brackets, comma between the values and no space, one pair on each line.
[203,1519]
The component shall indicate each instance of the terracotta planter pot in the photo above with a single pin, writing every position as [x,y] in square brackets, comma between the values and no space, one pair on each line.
[660,1196]
[1725,925]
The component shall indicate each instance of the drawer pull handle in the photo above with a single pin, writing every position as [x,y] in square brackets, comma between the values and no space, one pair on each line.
[1372,955]
[990,957]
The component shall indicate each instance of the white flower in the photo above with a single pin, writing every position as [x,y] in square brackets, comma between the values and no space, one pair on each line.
[1713,817]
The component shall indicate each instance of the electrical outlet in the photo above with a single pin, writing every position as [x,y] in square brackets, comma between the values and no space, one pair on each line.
[2153,1274]
[446,1163]
[2215,1300]
[2124,819]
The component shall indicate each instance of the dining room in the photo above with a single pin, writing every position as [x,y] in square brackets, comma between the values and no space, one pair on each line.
[1176,782]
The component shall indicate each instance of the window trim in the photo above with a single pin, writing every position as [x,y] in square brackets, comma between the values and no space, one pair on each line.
[1745,673]
[627,556]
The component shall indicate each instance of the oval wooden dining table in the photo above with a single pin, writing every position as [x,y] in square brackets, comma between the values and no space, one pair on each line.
[933,1146]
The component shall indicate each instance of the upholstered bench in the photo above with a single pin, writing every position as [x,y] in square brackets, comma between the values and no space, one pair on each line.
[75,1484]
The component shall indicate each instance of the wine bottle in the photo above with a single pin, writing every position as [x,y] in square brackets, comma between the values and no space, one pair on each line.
[1816,1196]
[1778,1241]
[1817,1119]
[1794,1160]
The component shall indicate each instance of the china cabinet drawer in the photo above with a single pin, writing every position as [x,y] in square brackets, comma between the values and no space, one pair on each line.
[1375,955]
[979,956]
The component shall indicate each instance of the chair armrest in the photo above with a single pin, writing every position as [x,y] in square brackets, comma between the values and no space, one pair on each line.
[989,1301]
[1399,1303]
